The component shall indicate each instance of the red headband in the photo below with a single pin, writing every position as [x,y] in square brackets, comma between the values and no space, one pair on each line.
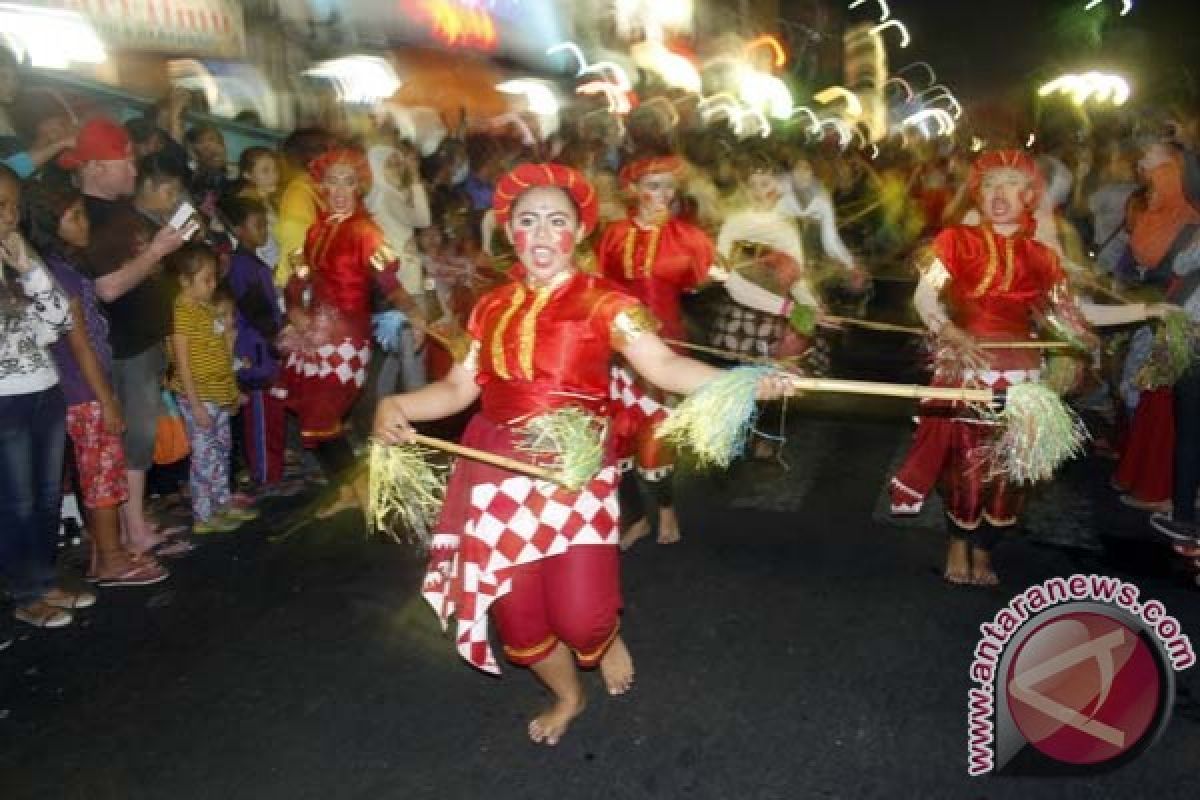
[634,171]
[1007,159]
[345,156]
[531,176]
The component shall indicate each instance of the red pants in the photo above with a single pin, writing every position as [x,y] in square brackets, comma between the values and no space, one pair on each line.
[571,598]
[263,420]
[1146,469]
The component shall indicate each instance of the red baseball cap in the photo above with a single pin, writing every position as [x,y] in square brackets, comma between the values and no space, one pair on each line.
[100,139]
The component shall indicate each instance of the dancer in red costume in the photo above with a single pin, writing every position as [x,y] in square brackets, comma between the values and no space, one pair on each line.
[328,340]
[542,560]
[985,283]
[657,258]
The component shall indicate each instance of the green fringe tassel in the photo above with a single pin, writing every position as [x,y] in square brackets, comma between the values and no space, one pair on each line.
[573,441]
[803,319]
[1040,433]
[406,491]
[1178,336]
[715,421]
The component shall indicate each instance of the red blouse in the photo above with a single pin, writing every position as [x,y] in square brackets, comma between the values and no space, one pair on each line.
[657,264]
[344,255]
[547,347]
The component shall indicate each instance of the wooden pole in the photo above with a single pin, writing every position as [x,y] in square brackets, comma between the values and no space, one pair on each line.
[961,394]
[876,326]
[1031,344]
[504,462]
[733,355]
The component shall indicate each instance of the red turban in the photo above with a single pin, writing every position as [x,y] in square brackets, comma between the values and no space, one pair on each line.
[634,171]
[100,139]
[530,176]
[343,156]
[1007,159]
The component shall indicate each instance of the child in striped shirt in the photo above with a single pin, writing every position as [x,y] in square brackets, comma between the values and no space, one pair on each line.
[202,377]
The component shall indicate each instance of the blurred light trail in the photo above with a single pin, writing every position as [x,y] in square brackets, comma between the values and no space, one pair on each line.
[905,39]
[815,125]
[1126,6]
[884,11]
[909,95]
[765,93]
[767,40]
[828,95]
[357,78]
[925,64]
[944,121]
[48,38]
[539,99]
[1094,86]
[674,69]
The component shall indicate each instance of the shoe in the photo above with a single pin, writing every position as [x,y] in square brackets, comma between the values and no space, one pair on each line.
[62,598]
[218,523]
[1145,505]
[1175,530]
[43,615]
[238,515]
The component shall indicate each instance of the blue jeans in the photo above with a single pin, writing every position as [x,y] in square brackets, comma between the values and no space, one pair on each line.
[32,434]
[1187,445]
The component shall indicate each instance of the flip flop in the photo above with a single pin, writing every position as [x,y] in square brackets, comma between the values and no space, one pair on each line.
[173,549]
[137,574]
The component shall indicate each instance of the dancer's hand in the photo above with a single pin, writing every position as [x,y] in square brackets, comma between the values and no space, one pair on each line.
[963,344]
[775,385]
[391,424]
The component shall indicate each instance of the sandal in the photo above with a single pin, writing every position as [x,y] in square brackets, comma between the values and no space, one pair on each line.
[138,573]
[173,549]
[43,615]
[61,598]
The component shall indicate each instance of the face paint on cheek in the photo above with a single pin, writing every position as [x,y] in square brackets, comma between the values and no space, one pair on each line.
[566,242]
[521,240]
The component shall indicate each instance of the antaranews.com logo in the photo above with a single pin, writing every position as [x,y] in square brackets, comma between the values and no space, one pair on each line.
[1073,675]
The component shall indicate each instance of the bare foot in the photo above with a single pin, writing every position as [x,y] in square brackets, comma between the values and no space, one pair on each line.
[549,726]
[958,563]
[982,573]
[616,667]
[345,500]
[668,526]
[636,531]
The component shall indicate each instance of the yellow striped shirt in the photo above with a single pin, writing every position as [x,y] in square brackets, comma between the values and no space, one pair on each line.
[209,357]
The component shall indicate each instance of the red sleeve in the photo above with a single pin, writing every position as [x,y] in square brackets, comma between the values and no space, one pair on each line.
[962,252]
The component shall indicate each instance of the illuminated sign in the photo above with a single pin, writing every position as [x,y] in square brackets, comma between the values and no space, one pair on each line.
[209,27]
[456,24]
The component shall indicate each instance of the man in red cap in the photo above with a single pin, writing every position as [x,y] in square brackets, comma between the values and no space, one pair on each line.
[124,256]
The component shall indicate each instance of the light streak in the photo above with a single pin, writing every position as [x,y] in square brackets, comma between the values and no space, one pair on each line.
[884,11]
[905,39]
[907,87]
[806,111]
[1126,6]
[49,38]
[830,94]
[674,69]
[1095,86]
[767,40]
[539,99]
[358,79]
[925,64]
[944,121]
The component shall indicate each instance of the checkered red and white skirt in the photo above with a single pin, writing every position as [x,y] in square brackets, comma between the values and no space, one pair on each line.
[494,520]
[325,369]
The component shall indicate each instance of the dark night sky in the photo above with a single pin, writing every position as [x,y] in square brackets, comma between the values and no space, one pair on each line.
[984,47]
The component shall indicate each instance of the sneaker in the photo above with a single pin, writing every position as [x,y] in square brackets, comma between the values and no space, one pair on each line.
[1158,507]
[218,523]
[238,515]
[1176,530]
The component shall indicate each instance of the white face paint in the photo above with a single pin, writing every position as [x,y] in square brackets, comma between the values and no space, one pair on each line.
[544,230]
[1004,195]
[655,193]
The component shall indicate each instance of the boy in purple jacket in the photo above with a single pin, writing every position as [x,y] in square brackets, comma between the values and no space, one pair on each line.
[259,319]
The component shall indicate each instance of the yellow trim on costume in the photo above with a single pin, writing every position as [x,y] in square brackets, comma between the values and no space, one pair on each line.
[651,252]
[1000,523]
[627,256]
[499,362]
[383,256]
[595,655]
[335,430]
[527,652]
[529,329]
[993,264]
[647,269]
[630,324]
[1009,267]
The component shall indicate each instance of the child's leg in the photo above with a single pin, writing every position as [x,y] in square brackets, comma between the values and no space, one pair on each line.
[206,463]
[222,442]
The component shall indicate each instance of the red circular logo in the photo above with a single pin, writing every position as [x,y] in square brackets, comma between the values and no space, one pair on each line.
[1084,688]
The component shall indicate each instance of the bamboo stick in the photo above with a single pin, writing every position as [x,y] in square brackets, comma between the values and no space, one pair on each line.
[504,462]
[875,326]
[962,394]
[1031,344]
[733,355]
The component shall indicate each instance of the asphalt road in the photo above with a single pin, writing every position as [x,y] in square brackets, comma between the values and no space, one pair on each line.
[796,644]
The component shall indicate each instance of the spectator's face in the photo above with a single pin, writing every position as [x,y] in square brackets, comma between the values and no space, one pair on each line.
[201,285]
[151,145]
[264,175]
[113,177]
[10,206]
[341,188]
[429,240]
[209,151]
[253,231]
[763,189]
[74,228]
[160,197]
